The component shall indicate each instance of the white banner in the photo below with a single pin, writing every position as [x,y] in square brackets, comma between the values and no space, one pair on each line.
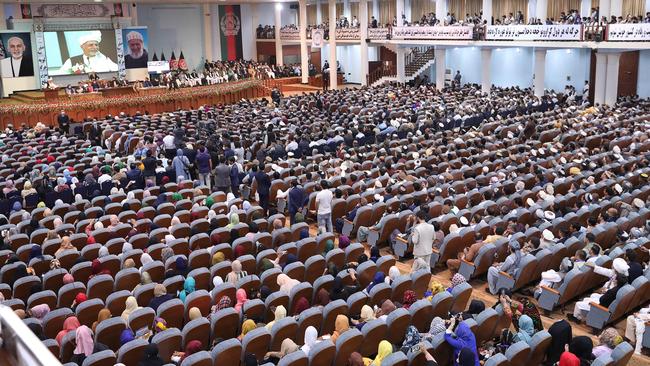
[534,32]
[121,70]
[442,32]
[628,32]
[317,38]
[40,56]
[378,33]
[347,34]
[290,34]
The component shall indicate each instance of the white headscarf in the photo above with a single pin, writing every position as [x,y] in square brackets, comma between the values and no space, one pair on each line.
[311,334]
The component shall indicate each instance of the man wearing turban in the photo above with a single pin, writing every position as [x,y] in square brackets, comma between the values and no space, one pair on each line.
[92,60]
[137,56]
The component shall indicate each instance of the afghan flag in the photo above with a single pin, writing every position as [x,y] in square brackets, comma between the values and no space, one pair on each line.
[173,63]
[162,56]
[230,32]
[155,57]
[182,64]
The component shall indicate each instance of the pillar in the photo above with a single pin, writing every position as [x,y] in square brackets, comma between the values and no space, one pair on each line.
[363,30]
[611,84]
[441,10]
[319,13]
[647,6]
[408,12]
[604,7]
[540,67]
[532,10]
[486,64]
[278,42]
[401,66]
[375,11]
[585,8]
[601,75]
[332,44]
[304,55]
[133,13]
[3,18]
[254,23]
[541,10]
[207,31]
[347,12]
[487,11]
[441,67]
[399,10]
[616,8]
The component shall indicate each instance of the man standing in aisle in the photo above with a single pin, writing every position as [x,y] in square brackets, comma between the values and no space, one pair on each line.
[422,239]
[324,207]
[64,122]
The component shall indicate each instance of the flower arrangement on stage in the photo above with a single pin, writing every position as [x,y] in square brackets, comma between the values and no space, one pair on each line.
[167,96]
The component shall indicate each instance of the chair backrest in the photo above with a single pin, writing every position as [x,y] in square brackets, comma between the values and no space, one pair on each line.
[322,353]
[282,329]
[131,352]
[86,312]
[346,343]
[311,317]
[373,332]
[622,354]
[497,360]
[461,294]
[172,311]
[538,346]
[201,358]
[227,352]
[141,318]
[486,324]
[108,332]
[398,320]
[330,312]
[168,342]
[421,314]
[298,358]
[395,359]
[518,353]
[102,358]
[256,342]
[441,304]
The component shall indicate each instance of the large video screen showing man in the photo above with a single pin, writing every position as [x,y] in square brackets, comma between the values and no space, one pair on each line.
[80,52]
[16,55]
[135,48]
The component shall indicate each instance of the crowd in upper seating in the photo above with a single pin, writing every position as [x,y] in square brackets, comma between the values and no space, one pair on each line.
[242,229]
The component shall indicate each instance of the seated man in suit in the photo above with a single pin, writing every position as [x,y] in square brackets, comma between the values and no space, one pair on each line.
[18,63]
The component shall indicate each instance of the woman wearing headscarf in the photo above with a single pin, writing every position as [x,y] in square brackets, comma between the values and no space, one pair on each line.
[39,311]
[181,166]
[379,278]
[344,242]
[35,252]
[509,266]
[223,303]
[329,245]
[160,296]
[286,347]
[608,340]
[188,288]
[145,279]
[19,272]
[279,313]
[101,316]
[234,220]
[310,340]
[126,336]
[131,306]
[84,345]
[526,330]
[386,308]
[180,270]
[526,307]
[65,245]
[366,315]
[411,339]
[286,283]
[322,297]
[461,338]
[456,280]
[246,327]
[150,356]
[561,335]
[582,347]
[241,297]
[236,273]
[568,359]
[194,313]
[145,259]
[355,359]
[475,307]
[437,327]
[341,325]
[383,350]
[69,325]
[98,268]
[393,274]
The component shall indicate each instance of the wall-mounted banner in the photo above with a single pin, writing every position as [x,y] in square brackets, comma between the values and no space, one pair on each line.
[230,32]
[378,33]
[534,32]
[628,32]
[317,36]
[347,34]
[449,32]
[290,34]
[40,54]
[119,45]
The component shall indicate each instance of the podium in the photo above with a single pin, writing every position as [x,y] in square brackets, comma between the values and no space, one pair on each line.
[51,95]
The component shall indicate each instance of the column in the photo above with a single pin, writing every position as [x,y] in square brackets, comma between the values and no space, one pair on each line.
[207,32]
[441,10]
[532,10]
[3,18]
[408,12]
[585,8]
[541,10]
[441,67]
[254,23]
[647,6]
[399,10]
[363,30]
[304,55]
[487,11]
[375,11]
[133,13]
[347,12]
[486,64]
[616,8]
[332,44]
[540,67]
[611,85]
[319,13]
[601,70]
[604,7]
[401,67]
[278,42]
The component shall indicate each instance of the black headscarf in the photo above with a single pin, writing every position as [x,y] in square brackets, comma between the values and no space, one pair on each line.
[150,356]
[582,347]
[561,335]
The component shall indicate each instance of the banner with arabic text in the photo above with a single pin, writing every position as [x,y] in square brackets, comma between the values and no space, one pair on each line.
[628,32]
[290,34]
[534,32]
[443,32]
[378,33]
[347,34]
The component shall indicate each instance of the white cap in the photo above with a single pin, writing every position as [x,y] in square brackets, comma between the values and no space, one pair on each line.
[548,234]
[133,35]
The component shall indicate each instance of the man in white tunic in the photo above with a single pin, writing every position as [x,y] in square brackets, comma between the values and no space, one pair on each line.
[92,60]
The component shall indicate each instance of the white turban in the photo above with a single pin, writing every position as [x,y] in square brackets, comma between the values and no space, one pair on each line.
[90,36]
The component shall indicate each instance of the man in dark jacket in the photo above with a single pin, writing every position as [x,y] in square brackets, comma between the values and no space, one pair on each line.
[296,200]
[222,176]
[263,187]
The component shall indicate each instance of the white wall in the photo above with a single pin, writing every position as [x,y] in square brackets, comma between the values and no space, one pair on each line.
[643,82]
[465,59]
[348,56]
[512,67]
[569,63]
[248,32]
[175,28]
[216,35]
[266,13]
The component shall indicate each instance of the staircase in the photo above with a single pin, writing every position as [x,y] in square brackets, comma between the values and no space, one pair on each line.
[416,62]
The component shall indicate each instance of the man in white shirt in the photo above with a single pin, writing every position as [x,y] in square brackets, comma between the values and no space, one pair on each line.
[422,239]
[324,207]
[92,60]
[18,63]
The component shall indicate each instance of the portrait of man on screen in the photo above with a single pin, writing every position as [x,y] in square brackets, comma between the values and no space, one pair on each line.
[17,62]
[92,59]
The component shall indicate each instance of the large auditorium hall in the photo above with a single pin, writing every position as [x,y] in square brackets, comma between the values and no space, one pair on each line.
[325,183]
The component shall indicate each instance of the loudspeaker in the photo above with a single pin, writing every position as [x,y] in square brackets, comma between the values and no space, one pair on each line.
[367,40]
[293,6]
[598,37]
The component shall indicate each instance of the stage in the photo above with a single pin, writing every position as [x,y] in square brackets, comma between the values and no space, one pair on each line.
[31,107]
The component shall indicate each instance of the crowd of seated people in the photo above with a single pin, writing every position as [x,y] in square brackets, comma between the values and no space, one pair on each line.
[214,233]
